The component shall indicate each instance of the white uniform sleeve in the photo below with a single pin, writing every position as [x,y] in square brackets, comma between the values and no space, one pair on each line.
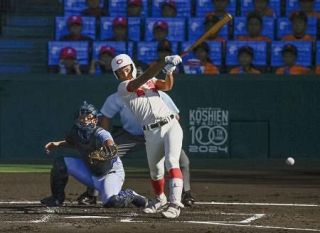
[111,106]
[122,88]
[169,102]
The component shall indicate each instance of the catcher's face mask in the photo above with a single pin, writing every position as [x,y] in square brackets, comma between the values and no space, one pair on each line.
[87,121]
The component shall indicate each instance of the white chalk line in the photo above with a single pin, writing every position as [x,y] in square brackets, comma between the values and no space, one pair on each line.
[86,217]
[253,218]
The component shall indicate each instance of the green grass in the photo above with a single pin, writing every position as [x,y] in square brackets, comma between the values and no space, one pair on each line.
[24,168]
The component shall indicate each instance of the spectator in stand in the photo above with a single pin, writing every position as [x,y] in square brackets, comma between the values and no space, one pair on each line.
[75,27]
[94,9]
[262,8]
[134,8]
[210,20]
[299,21]
[254,29]
[245,59]
[307,6]
[103,64]
[160,30]
[202,52]
[164,49]
[120,29]
[68,63]
[168,8]
[220,7]
[289,56]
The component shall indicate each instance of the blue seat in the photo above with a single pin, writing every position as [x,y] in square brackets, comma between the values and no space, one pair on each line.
[284,27]
[293,5]
[176,28]
[183,8]
[133,28]
[215,52]
[89,27]
[260,52]
[247,6]
[196,29]
[318,53]
[241,29]
[119,8]
[74,7]
[54,48]
[304,52]
[120,47]
[204,7]
[147,51]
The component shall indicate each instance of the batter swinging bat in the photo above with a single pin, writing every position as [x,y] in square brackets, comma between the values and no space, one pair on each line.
[157,67]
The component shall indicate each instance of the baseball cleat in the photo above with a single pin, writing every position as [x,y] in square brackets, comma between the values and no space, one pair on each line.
[51,202]
[173,211]
[86,199]
[155,206]
[137,199]
[187,198]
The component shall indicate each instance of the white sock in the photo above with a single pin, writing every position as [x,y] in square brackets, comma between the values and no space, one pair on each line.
[176,186]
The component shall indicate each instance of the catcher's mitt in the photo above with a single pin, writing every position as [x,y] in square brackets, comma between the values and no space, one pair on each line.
[103,154]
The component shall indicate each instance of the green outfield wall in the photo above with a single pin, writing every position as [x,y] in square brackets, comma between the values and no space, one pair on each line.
[262,116]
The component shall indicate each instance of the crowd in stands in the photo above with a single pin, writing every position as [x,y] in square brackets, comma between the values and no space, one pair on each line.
[265,36]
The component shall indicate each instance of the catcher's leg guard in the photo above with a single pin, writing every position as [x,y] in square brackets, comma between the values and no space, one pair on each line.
[59,179]
[125,198]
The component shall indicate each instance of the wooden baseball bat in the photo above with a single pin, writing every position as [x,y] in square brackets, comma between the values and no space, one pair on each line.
[153,70]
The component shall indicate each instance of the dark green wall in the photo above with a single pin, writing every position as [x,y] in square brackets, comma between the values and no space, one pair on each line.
[270,116]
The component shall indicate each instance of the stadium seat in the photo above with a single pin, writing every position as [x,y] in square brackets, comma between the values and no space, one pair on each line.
[215,52]
[247,6]
[260,52]
[183,8]
[147,51]
[318,53]
[133,28]
[176,28]
[54,48]
[293,5]
[304,52]
[196,29]
[204,7]
[241,29]
[89,27]
[119,8]
[120,47]
[284,27]
[74,7]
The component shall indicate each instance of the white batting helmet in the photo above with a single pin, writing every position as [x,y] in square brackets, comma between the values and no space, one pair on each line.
[123,60]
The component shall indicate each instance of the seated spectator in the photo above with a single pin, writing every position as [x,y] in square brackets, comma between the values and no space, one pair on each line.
[168,8]
[120,29]
[94,9]
[220,7]
[254,29]
[160,30]
[68,63]
[245,58]
[202,52]
[210,20]
[106,54]
[289,55]
[262,8]
[307,6]
[299,21]
[75,27]
[134,8]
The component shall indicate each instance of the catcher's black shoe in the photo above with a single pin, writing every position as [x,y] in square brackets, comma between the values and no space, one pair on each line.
[51,202]
[187,198]
[86,199]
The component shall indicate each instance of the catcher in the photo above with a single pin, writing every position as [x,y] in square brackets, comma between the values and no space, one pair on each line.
[98,167]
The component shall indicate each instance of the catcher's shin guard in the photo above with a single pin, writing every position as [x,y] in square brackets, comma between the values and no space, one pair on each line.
[59,179]
[125,198]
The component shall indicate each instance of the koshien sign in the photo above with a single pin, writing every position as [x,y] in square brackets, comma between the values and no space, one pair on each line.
[209,130]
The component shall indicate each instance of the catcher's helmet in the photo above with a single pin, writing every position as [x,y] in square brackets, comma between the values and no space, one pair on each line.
[123,60]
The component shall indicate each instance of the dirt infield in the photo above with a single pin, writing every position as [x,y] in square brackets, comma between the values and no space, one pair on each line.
[249,199]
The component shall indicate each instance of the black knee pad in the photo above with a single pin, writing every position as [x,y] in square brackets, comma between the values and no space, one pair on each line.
[59,168]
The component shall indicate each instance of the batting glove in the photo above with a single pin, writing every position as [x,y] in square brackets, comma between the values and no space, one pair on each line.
[168,69]
[173,60]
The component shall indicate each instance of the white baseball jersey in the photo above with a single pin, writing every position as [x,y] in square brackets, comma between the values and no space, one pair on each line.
[145,102]
[114,104]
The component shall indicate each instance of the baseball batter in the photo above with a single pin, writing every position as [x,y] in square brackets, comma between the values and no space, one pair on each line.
[162,131]
[130,138]
[98,167]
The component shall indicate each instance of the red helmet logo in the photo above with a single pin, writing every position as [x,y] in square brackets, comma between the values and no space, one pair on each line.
[119,61]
